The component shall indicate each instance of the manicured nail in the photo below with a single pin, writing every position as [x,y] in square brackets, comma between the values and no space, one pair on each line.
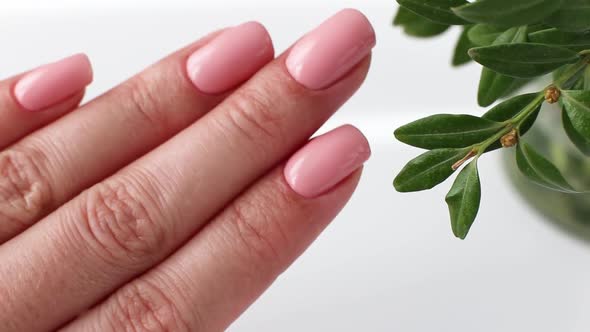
[49,84]
[231,58]
[330,51]
[326,160]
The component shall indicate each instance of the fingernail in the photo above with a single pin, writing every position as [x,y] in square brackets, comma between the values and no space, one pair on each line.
[231,58]
[49,84]
[326,160]
[330,51]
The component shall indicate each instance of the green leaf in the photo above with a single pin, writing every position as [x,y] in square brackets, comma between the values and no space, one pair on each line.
[574,15]
[577,106]
[428,170]
[507,12]
[404,16]
[460,56]
[438,11]
[517,85]
[557,37]
[417,26]
[484,34]
[493,85]
[463,200]
[574,41]
[582,143]
[508,109]
[523,60]
[447,131]
[512,36]
[540,170]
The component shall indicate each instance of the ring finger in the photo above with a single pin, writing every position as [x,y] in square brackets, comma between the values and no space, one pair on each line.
[213,278]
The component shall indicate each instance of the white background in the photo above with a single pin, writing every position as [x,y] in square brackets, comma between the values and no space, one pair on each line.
[389,262]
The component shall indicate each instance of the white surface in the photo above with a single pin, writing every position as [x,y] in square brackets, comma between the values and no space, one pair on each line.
[389,262]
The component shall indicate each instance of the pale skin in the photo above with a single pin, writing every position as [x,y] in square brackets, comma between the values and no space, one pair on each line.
[154,206]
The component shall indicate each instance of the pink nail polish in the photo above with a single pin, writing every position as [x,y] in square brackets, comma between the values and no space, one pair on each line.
[49,84]
[326,160]
[231,58]
[327,53]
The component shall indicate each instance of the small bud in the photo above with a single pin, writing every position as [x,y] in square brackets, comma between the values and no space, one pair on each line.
[510,139]
[552,95]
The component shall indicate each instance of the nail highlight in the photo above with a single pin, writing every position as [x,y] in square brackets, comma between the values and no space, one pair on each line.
[330,51]
[52,83]
[326,160]
[231,58]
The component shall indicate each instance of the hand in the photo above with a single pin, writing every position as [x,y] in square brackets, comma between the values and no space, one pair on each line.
[173,201]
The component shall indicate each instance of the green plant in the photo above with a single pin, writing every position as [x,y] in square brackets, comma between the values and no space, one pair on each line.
[516,41]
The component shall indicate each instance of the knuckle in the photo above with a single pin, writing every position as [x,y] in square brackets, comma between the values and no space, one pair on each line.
[25,193]
[256,114]
[143,306]
[256,224]
[145,103]
[122,220]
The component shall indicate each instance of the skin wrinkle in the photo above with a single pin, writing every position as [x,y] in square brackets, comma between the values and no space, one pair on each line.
[143,304]
[256,241]
[49,166]
[24,192]
[146,103]
[192,317]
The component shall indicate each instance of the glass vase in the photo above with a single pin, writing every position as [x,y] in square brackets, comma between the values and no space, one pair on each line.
[571,212]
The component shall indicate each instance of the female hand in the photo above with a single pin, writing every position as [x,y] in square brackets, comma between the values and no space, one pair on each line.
[173,201]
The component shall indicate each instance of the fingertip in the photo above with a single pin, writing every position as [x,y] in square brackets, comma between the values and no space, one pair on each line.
[85,63]
[230,58]
[260,29]
[37,90]
[360,138]
[326,160]
[326,54]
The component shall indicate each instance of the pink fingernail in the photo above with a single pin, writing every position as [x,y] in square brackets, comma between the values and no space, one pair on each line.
[54,82]
[326,160]
[327,53]
[231,58]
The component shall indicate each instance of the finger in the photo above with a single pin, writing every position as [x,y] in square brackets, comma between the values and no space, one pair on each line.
[135,219]
[209,282]
[54,88]
[51,166]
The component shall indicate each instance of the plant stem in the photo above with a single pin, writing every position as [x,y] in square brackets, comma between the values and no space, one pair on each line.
[569,76]
[528,110]
[515,122]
